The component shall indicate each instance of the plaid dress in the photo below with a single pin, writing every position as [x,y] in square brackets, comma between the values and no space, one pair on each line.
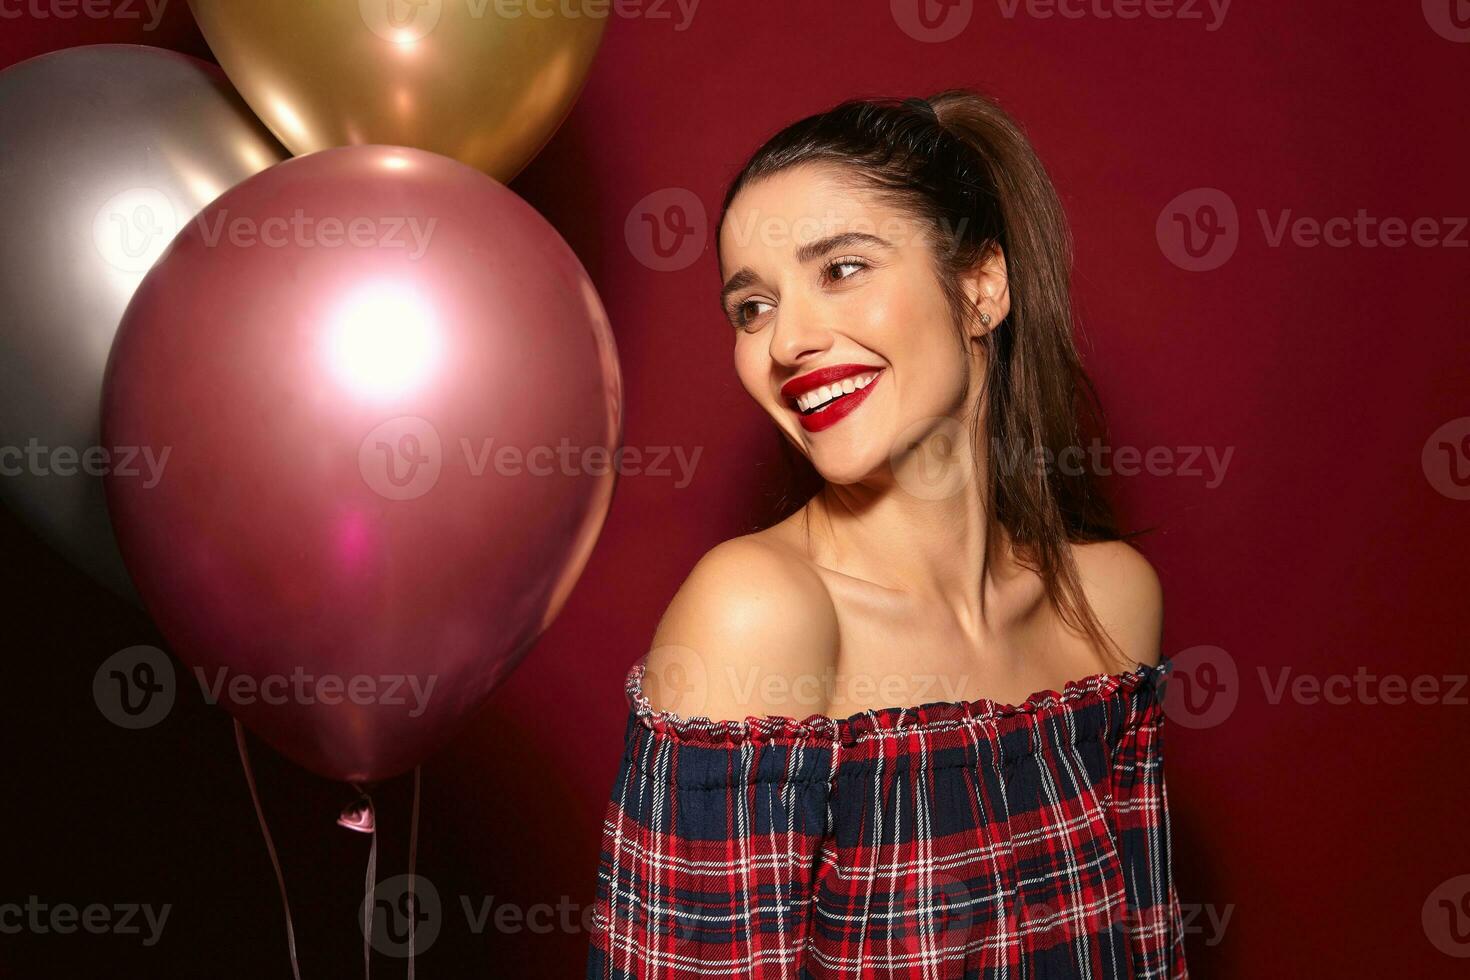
[950,840]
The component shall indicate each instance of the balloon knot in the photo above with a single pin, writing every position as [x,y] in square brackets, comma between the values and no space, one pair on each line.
[358,816]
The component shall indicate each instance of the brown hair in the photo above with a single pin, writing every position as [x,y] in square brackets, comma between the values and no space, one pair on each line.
[959,163]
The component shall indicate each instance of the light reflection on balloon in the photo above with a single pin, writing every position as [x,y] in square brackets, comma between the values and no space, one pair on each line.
[283,116]
[354,541]
[384,341]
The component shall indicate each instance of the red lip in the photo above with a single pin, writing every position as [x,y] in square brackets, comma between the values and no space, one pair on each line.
[835,411]
[823,376]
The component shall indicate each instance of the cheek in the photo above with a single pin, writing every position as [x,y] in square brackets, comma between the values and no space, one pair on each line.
[913,331]
[901,323]
[751,367]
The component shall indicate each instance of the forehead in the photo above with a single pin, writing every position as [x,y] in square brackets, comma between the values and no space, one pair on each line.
[802,204]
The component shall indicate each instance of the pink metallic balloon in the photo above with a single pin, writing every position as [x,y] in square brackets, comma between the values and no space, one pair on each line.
[391,405]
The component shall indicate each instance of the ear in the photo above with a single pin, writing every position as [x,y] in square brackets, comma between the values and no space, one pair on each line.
[988,290]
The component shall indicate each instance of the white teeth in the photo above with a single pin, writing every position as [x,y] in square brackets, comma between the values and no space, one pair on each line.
[820,397]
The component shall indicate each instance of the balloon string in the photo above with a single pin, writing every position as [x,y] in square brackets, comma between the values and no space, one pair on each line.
[367,901]
[413,846]
[269,844]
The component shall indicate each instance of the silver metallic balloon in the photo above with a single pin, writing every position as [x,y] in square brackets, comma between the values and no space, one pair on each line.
[105,152]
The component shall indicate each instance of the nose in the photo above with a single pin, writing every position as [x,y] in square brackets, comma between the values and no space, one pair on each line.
[799,334]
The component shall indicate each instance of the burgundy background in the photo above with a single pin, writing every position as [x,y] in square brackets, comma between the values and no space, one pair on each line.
[1326,548]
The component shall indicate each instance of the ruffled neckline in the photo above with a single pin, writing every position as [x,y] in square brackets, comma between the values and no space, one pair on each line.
[931,715]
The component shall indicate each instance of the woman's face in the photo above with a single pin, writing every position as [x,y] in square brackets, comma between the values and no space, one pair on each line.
[842,331]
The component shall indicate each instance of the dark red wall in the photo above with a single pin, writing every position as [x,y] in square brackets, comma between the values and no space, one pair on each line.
[1334,545]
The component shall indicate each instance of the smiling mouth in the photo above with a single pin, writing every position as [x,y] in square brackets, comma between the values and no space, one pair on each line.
[820,399]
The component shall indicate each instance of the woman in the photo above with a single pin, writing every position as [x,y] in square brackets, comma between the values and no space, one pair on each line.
[912,730]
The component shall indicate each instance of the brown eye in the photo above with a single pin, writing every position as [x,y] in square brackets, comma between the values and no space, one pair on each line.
[832,268]
[746,313]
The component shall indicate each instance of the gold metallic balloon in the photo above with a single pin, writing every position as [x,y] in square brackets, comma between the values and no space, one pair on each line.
[484,81]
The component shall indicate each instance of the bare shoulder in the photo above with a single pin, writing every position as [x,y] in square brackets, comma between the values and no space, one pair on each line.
[750,617]
[1125,592]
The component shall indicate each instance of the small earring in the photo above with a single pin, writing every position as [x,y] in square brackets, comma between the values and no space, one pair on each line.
[984,319]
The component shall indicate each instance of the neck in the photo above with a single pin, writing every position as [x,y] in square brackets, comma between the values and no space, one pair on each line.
[919,528]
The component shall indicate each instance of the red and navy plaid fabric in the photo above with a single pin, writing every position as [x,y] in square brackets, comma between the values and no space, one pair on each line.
[951,840]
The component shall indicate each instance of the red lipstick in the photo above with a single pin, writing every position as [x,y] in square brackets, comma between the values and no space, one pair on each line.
[837,409]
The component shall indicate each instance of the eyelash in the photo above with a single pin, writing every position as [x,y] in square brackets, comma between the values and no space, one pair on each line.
[736,311]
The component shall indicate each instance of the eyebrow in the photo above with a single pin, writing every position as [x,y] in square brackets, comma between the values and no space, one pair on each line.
[804,254]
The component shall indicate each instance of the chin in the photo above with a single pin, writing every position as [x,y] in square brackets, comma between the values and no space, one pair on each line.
[843,470]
